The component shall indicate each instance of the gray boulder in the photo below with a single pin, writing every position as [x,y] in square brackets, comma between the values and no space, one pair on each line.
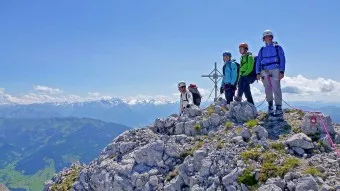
[246,134]
[230,178]
[270,187]
[189,128]
[169,122]
[127,146]
[206,123]
[237,139]
[215,120]
[242,111]
[153,181]
[205,167]
[196,187]
[337,139]
[199,155]
[291,186]
[307,183]
[260,132]
[173,150]
[298,151]
[231,188]
[179,128]
[193,111]
[310,128]
[150,154]
[278,182]
[175,184]
[300,140]
[325,142]
[326,187]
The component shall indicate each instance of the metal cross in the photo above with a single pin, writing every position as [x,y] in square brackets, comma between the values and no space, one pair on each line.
[215,76]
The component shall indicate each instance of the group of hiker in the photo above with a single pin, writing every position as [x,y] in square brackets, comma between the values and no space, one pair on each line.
[268,66]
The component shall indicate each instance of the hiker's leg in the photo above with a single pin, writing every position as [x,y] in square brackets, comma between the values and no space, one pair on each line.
[229,96]
[247,91]
[240,90]
[276,83]
[226,96]
[267,86]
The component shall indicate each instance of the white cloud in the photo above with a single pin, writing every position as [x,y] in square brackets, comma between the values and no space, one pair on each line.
[7,98]
[45,89]
[298,88]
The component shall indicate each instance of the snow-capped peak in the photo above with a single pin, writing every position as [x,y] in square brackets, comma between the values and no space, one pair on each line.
[157,100]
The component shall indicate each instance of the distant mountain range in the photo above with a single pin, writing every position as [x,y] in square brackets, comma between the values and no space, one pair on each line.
[32,150]
[132,112]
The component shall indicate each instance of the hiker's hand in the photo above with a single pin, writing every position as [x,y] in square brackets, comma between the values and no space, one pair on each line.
[258,76]
[221,90]
[282,75]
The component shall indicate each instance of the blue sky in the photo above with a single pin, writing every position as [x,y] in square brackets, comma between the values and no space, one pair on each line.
[125,47]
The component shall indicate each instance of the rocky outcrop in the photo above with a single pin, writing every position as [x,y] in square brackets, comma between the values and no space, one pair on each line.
[200,151]
[242,111]
[317,124]
[3,188]
[299,143]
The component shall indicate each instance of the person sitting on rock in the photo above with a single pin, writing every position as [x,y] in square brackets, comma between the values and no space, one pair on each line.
[246,68]
[228,85]
[270,67]
[186,98]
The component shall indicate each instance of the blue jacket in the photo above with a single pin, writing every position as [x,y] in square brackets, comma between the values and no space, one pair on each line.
[230,73]
[271,57]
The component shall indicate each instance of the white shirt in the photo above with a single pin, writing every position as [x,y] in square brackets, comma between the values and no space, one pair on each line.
[185,99]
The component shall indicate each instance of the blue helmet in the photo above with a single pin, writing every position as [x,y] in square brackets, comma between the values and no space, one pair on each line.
[227,54]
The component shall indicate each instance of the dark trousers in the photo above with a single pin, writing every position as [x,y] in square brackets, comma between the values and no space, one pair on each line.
[229,92]
[244,87]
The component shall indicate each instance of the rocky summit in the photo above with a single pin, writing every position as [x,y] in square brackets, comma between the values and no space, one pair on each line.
[218,148]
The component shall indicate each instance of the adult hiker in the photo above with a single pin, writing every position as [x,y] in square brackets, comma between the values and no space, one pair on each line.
[230,73]
[245,74]
[186,98]
[270,67]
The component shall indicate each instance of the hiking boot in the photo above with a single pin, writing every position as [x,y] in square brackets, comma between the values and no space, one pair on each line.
[238,99]
[270,109]
[278,111]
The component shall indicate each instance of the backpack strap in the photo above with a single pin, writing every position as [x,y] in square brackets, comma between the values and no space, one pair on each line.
[223,68]
[277,52]
[261,51]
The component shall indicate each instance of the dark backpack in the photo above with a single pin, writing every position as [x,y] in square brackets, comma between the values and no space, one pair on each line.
[252,75]
[237,70]
[196,95]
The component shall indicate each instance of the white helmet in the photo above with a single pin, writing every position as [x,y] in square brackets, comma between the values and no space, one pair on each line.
[181,84]
[268,33]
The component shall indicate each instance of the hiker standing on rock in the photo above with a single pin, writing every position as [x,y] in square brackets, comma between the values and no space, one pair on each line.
[186,98]
[230,73]
[247,74]
[270,67]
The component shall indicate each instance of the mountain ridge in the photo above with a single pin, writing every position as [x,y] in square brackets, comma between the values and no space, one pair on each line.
[218,148]
[31,150]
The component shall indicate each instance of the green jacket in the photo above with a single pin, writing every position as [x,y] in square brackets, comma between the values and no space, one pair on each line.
[246,64]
